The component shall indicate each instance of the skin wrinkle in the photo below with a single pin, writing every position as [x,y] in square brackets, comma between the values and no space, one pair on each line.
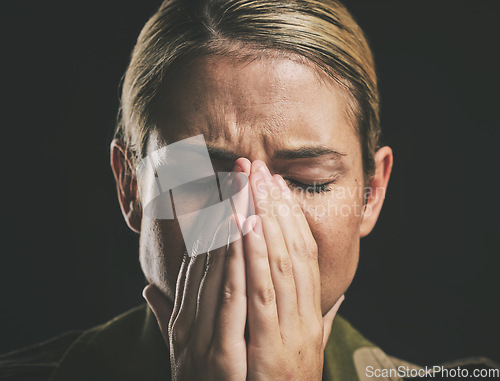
[297,77]
[233,102]
[323,228]
[275,120]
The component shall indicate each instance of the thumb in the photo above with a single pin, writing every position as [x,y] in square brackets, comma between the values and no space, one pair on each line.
[160,305]
[328,320]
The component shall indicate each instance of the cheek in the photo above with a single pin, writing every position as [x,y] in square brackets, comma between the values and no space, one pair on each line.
[335,224]
[161,252]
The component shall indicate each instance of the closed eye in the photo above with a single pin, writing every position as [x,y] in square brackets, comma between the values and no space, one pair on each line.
[310,188]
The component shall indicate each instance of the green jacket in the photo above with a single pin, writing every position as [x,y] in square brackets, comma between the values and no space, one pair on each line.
[131,348]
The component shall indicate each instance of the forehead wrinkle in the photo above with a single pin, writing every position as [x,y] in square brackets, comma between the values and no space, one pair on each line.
[233,121]
[248,99]
[230,107]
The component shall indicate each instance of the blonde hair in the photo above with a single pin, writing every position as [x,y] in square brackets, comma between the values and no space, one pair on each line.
[322,31]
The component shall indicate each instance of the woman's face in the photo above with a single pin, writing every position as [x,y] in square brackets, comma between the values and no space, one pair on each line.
[286,114]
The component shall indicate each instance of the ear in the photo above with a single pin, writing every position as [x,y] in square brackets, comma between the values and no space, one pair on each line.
[126,184]
[376,190]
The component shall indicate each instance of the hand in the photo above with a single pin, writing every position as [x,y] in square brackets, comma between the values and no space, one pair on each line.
[287,332]
[205,328]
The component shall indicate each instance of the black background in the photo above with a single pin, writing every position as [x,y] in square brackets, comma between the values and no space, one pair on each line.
[427,285]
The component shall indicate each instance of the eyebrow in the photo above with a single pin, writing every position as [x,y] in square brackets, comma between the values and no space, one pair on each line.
[303,152]
[221,153]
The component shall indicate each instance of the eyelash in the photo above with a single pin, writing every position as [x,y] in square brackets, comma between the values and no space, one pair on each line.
[310,188]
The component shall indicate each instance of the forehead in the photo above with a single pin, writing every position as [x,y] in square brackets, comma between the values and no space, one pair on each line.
[272,102]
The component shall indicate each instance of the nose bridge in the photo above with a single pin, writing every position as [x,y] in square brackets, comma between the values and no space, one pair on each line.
[258,155]
[256,147]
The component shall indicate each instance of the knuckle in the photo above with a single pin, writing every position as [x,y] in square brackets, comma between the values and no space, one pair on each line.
[269,220]
[312,249]
[313,329]
[299,247]
[317,333]
[285,267]
[217,362]
[177,336]
[217,353]
[228,294]
[266,295]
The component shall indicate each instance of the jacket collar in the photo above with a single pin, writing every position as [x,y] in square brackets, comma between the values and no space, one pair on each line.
[130,348]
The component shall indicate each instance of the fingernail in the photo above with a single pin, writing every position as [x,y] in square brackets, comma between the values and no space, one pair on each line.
[257,226]
[241,220]
[265,171]
[248,225]
[237,168]
[282,184]
[235,226]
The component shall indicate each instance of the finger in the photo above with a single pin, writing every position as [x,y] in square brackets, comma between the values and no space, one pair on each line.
[244,165]
[209,293]
[232,312]
[242,200]
[160,305]
[263,323]
[208,296]
[179,285]
[235,188]
[279,201]
[281,267]
[181,326]
[308,237]
[302,248]
[328,320]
